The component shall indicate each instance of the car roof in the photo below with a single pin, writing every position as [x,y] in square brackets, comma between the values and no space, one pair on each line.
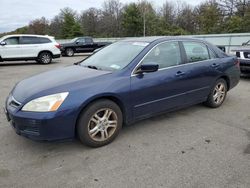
[160,39]
[28,35]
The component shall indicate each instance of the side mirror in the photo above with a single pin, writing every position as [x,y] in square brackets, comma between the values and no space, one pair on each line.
[244,44]
[3,43]
[147,68]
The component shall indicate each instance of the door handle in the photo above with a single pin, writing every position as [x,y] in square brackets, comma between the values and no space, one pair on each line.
[180,73]
[215,65]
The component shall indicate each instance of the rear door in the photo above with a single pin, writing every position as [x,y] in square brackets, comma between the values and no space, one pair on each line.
[11,49]
[29,46]
[204,68]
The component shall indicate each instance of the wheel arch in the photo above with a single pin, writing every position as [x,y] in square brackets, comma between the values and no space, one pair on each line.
[226,78]
[73,48]
[112,98]
[45,51]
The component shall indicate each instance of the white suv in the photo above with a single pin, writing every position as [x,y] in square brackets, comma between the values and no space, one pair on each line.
[29,47]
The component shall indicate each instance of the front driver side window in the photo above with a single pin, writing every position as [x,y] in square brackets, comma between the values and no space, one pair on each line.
[165,55]
[81,40]
[12,41]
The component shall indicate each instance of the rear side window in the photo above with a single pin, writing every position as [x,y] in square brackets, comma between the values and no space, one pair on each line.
[12,41]
[29,40]
[43,40]
[212,54]
[34,40]
[196,51]
[88,40]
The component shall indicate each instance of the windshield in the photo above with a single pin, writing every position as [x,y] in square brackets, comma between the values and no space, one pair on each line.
[74,39]
[115,56]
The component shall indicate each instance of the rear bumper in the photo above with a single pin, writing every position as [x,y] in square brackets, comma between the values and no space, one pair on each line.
[244,65]
[56,56]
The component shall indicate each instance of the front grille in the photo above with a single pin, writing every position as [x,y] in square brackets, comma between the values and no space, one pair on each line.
[33,129]
[238,54]
[27,126]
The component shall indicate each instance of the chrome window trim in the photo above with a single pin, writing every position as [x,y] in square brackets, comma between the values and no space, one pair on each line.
[140,62]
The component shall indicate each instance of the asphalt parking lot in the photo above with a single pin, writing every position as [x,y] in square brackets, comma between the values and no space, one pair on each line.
[193,147]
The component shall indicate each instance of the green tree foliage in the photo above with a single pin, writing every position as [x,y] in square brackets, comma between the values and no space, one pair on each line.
[70,26]
[209,18]
[116,19]
[186,19]
[132,20]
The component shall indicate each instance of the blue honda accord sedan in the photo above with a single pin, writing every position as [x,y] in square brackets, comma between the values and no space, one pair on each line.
[127,81]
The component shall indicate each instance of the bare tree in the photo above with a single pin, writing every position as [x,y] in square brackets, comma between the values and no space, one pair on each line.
[89,20]
[39,26]
[111,18]
[168,11]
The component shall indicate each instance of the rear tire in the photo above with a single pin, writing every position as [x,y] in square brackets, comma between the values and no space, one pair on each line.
[69,52]
[100,123]
[44,58]
[217,94]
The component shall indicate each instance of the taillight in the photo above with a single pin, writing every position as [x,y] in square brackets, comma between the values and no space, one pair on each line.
[237,63]
[58,46]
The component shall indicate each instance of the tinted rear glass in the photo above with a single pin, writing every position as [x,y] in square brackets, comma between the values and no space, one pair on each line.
[34,40]
[44,40]
[29,40]
[88,40]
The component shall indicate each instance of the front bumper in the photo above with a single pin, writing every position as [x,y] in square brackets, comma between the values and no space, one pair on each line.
[42,126]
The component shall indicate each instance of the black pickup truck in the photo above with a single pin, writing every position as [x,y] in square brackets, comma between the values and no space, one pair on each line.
[81,44]
[243,55]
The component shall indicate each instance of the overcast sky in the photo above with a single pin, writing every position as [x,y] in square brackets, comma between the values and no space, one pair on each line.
[18,13]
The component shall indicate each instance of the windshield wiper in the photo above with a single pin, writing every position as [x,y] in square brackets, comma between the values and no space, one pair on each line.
[93,67]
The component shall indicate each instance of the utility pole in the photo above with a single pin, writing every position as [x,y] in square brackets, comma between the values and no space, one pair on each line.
[143,10]
[144,23]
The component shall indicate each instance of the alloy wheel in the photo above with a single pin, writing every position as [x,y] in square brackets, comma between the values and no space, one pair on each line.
[219,93]
[69,52]
[46,58]
[102,124]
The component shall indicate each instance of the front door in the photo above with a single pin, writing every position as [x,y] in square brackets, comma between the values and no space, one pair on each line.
[11,49]
[162,90]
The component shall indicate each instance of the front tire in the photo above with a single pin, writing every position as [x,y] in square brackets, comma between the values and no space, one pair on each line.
[69,52]
[217,94]
[100,123]
[44,58]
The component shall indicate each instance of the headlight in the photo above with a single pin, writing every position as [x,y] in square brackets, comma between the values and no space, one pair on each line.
[48,103]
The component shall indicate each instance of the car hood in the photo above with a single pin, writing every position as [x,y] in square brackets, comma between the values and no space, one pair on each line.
[53,81]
